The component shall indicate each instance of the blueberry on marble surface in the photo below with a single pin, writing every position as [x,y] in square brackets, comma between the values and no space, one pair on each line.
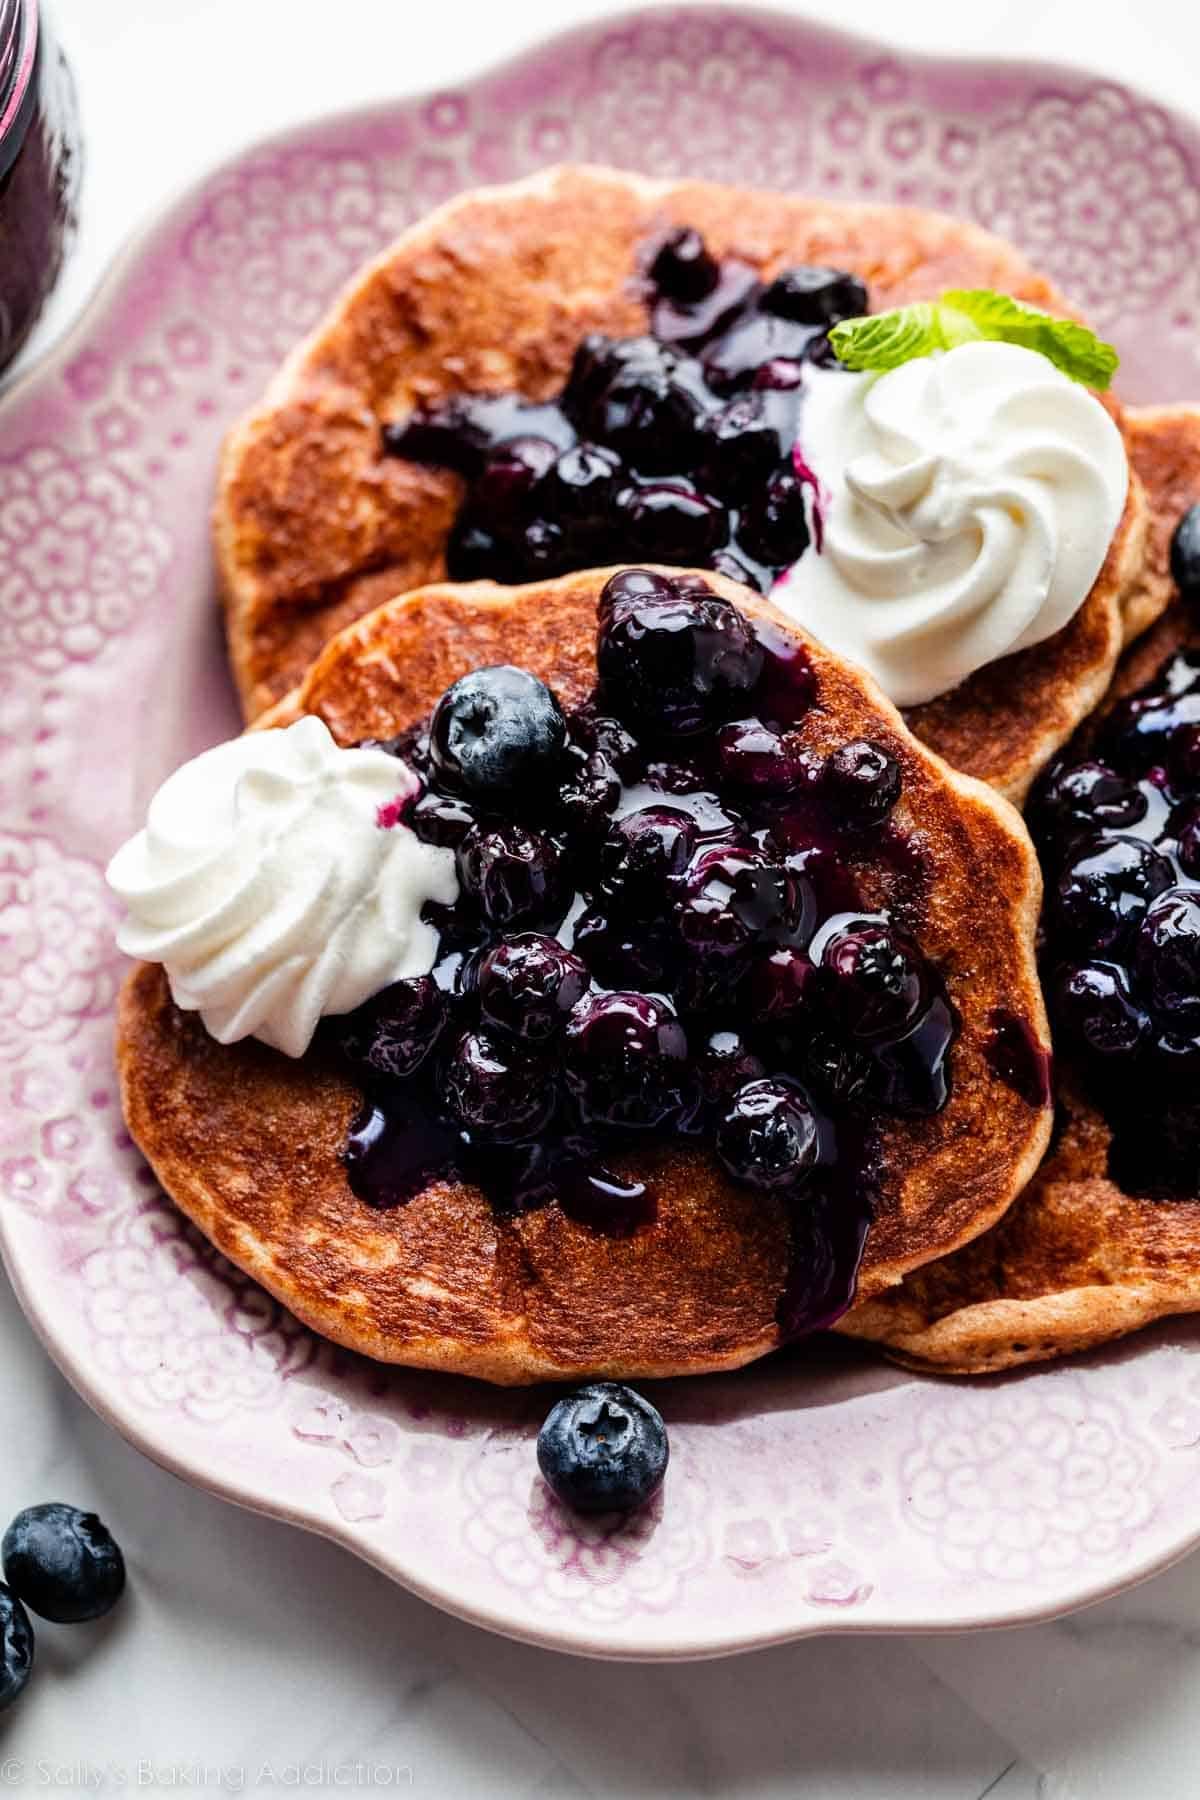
[63,1563]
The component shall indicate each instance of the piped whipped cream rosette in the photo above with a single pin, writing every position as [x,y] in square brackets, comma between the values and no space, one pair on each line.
[969,497]
[276,882]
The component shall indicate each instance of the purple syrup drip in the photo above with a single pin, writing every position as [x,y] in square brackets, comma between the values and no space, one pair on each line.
[1015,1055]
[807,477]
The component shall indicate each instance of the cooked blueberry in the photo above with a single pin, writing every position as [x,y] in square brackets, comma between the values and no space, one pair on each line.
[815,296]
[623,951]
[1087,795]
[734,359]
[626,1060]
[1183,758]
[735,896]
[498,734]
[16,1647]
[862,782]
[1105,890]
[514,876]
[774,524]
[473,552]
[1167,958]
[781,980]
[723,562]
[582,482]
[393,1033]
[495,1090]
[780,372]
[1185,554]
[1093,1002]
[759,757]
[603,1449]
[1188,845]
[392,1152]
[771,1137]
[634,590]
[878,982]
[634,401]
[543,551]
[63,1563]
[504,484]
[740,447]
[677,666]
[606,737]
[838,1070]
[589,793]
[617,1205]
[644,852]
[1138,731]
[528,984]
[672,521]
[725,1064]
[682,268]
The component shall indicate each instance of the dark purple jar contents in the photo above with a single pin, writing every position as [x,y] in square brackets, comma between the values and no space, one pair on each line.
[39,168]
[658,940]
[678,446]
[1119,836]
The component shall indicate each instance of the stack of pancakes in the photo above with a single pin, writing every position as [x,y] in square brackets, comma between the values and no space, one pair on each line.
[986,1250]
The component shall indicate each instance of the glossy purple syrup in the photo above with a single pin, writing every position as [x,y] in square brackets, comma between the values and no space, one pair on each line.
[1119,835]
[1015,1055]
[772,873]
[678,447]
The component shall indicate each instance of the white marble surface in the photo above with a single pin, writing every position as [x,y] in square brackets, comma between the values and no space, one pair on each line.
[250,1658]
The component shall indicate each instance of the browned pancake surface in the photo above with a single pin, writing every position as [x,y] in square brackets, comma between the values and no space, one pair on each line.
[315,526]
[249,1143]
[1075,1261]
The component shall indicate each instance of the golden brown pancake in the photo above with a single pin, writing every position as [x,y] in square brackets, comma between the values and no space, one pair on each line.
[249,1143]
[316,526]
[1076,1261]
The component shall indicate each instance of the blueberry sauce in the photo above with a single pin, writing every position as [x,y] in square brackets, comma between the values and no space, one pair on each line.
[663,936]
[1015,1055]
[1119,836]
[40,158]
[678,446]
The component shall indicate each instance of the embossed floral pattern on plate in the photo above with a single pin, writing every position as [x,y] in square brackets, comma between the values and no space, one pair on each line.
[808,1494]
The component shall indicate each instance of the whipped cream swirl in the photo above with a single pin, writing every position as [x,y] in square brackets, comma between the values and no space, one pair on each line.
[276,882]
[969,501]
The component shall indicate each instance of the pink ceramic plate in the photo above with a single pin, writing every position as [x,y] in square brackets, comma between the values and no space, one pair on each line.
[813,1493]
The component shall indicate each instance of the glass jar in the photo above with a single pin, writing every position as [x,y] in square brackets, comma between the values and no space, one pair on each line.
[39,167]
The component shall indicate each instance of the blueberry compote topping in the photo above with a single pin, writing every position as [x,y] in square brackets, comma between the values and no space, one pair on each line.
[678,445]
[1120,840]
[660,936]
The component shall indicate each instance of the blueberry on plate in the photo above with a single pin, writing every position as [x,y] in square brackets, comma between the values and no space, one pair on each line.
[497,732]
[1185,554]
[16,1647]
[603,1449]
[63,1563]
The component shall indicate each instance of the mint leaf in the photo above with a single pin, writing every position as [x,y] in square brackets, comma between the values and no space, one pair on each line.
[966,315]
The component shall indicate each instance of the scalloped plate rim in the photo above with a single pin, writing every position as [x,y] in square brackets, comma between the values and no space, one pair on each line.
[616,1644]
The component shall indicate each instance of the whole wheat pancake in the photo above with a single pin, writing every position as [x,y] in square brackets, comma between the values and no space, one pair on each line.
[316,525]
[1076,1261]
[249,1143]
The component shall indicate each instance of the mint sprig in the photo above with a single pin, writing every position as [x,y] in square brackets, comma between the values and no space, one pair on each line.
[969,315]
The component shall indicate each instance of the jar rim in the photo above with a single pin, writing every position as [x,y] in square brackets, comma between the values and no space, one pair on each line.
[18,51]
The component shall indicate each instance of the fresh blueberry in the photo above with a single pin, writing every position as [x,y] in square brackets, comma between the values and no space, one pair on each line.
[63,1563]
[16,1647]
[496,1090]
[771,1137]
[603,1449]
[514,875]
[677,665]
[862,782]
[393,1033]
[626,1060]
[1185,554]
[498,734]
[528,984]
